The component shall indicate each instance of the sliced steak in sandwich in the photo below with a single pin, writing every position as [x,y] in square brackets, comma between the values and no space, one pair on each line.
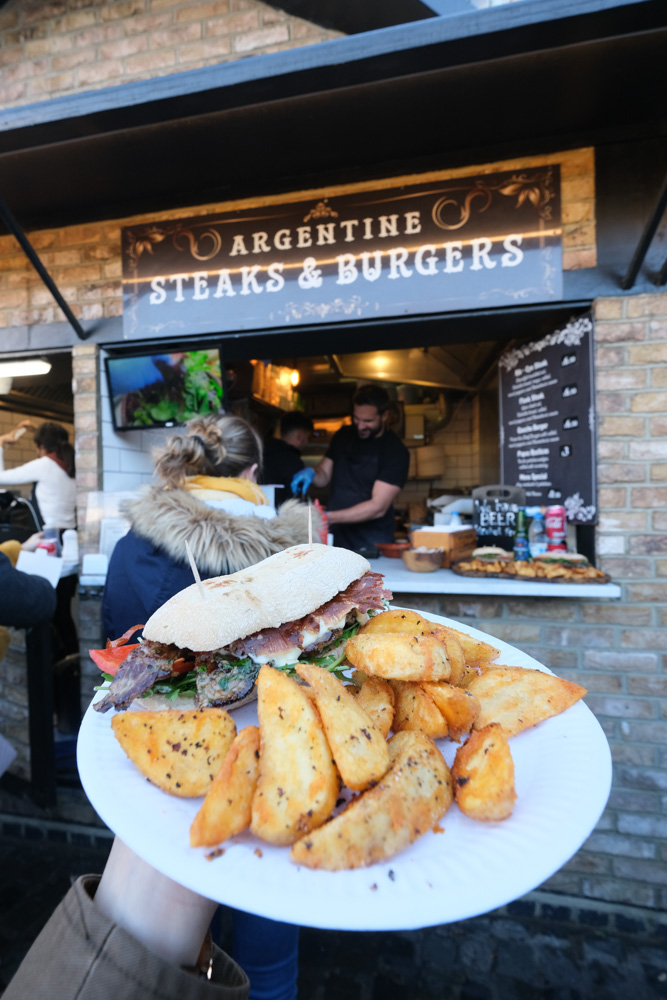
[304,602]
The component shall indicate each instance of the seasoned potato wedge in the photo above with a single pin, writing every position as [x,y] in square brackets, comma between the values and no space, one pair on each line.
[393,620]
[298,781]
[399,655]
[519,698]
[376,697]
[460,708]
[226,809]
[357,745]
[416,711]
[483,773]
[179,751]
[414,794]
[475,651]
[414,623]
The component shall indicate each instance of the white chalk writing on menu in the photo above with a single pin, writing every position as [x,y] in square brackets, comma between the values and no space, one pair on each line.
[547,420]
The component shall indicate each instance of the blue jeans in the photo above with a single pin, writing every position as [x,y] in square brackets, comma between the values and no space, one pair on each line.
[268,951]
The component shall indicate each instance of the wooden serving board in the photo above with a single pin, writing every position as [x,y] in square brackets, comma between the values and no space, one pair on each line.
[481,576]
[604,578]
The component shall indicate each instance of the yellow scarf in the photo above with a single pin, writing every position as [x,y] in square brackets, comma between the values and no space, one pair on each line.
[206,488]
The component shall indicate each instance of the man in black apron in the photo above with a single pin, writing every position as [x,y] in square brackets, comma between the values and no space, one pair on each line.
[367,466]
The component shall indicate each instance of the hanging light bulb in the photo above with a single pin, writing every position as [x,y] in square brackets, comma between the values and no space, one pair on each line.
[295,378]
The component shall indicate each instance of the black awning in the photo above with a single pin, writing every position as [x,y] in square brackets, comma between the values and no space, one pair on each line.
[528,77]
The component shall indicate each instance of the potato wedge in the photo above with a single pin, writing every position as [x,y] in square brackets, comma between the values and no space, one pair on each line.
[474,650]
[414,623]
[376,697]
[298,782]
[399,655]
[483,773]
[179,751]
[393,620]
[453,647]
[357,745]
[416,711]
[519,698]
[414,794]
[226,809]
[458,707]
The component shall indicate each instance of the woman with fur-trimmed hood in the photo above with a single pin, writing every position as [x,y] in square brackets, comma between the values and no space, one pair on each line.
[208,497]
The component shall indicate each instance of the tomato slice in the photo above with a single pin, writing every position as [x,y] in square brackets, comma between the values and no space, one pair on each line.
[110,659]
[125,637]
[182,666]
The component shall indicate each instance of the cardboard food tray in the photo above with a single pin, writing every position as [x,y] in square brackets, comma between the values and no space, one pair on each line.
[605,578]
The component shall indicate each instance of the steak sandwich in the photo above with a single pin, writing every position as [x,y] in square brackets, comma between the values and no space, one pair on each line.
[209,641]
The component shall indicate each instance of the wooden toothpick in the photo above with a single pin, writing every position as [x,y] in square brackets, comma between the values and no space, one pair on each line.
[310,523]
[193,567]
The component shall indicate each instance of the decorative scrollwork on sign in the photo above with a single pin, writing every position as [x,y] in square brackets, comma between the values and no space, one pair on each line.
[322,210]
[570,336]
[138,245]
[536,188]
[577,510]
[464,210]
[195,242]
[353,306]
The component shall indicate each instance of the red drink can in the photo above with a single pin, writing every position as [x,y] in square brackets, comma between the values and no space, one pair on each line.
[556,525]
[49,545]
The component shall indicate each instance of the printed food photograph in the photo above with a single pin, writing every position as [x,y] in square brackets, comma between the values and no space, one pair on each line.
[311,748]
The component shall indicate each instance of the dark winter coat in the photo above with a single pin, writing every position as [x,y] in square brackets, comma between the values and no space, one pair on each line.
[150,564]
[24,599]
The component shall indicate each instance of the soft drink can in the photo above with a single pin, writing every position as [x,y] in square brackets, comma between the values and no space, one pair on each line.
[556,528]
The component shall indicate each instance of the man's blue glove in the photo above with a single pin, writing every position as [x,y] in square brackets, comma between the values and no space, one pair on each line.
[301,481]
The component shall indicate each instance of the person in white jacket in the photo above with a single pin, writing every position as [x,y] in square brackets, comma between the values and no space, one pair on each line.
[52,473]
[54,496]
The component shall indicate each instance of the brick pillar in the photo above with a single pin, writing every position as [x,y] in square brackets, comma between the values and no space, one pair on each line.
[87,433]
[89,478]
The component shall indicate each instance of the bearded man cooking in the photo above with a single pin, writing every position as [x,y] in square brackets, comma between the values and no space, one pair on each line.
[367,466]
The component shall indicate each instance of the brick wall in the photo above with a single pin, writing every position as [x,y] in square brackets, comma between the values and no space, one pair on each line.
[617,649]
[50,48]
[459,443]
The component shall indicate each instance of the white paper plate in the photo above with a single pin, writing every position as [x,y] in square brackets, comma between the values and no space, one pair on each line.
[563,778]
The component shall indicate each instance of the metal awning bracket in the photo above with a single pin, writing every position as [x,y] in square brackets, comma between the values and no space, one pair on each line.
[16,230]
[644,243]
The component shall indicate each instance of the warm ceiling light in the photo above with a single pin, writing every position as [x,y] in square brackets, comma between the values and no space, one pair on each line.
[295,378]
[29,366]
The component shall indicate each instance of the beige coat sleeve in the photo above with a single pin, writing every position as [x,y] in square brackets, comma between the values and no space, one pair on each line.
[81,954]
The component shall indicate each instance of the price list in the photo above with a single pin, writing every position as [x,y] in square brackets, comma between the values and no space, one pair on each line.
[547,420]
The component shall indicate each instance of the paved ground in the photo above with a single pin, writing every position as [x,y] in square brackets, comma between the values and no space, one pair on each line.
[543,947]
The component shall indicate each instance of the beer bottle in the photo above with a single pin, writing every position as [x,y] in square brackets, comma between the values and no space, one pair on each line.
[521,549]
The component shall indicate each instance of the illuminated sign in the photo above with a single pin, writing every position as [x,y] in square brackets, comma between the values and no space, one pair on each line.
[437,246]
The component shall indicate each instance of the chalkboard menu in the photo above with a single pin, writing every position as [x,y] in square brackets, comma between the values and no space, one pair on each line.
[547,420]
[494,510]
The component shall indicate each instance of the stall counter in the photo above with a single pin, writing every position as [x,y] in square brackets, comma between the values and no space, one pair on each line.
[401,580]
